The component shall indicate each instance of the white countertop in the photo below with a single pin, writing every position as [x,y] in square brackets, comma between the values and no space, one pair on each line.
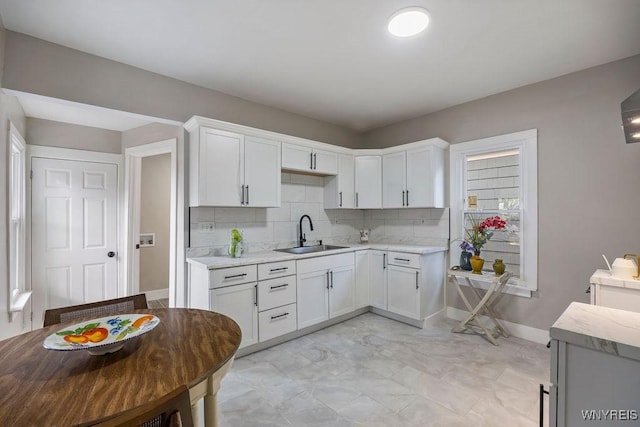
[604,277]
[215,262]
[604,329]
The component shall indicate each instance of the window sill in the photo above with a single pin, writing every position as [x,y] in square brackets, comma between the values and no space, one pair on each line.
[18,303]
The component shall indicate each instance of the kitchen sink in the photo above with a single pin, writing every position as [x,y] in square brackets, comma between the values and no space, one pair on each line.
[310,249]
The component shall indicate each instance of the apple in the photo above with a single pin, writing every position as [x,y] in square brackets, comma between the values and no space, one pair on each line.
[96,334]
[76,339]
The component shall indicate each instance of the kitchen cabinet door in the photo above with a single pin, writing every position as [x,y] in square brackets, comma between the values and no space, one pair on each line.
[403,290]
[339,190]
[394,174]
[341,291]
[219,160]
[313,298]
[296,157]
[368,182]
[362,279]
[261,172]
[325,162]
[378,279]
[239,302]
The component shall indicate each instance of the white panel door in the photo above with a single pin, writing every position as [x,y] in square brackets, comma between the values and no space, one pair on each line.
[378,279]
[420,183]
[368,182]
[313,298]
[221,169]
[394,180]
[403,289]
[325,162]
[261,172]
[362,279]
[73,232]
[342,295]
[239,302]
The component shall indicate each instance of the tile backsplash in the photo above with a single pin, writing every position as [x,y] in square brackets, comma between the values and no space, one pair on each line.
[272,228]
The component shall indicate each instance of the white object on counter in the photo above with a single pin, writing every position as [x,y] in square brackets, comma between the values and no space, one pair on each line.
[623,268]
[610,291]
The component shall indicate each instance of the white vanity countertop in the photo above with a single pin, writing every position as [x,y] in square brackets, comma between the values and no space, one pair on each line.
[604,277]
[215,262]
[604,329]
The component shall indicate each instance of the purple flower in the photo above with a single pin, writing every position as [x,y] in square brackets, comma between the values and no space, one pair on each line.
[465,246]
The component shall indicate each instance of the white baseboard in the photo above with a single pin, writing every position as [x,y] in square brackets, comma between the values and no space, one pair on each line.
[157,294]
[517,330]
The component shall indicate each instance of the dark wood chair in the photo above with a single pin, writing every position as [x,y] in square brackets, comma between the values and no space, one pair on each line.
[95,309]
[172,410]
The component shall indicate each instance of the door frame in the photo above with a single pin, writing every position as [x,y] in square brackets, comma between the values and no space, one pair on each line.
[41,151]
[132,180]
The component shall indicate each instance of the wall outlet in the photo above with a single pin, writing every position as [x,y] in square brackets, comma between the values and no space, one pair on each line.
[207,226]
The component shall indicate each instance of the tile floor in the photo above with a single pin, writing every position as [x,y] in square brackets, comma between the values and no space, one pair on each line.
[372,371]
[158,303]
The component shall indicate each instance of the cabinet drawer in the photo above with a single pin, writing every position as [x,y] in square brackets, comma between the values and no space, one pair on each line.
[325,262]
[276,292]
[403,259]
[277,321]
[232,276]
[276,269]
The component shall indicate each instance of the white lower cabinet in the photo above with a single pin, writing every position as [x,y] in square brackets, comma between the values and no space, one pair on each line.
[362,278]
[403,291]
[277,321]
[378,279]
[276,299]
[239,302]
[326,288]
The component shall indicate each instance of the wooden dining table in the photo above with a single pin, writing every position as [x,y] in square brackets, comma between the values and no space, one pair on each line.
[40,387]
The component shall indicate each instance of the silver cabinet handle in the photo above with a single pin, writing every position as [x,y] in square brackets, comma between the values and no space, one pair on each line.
[417,287]
[407,196]
[315,161]
[256,299]
[235,276]
[331,279]
[279,316]
[340,198]
[327,279]
[356,199]
[402,259]
[242,194]
[246,202]
[311,160]
[279,269]
[279,286]
[384,261]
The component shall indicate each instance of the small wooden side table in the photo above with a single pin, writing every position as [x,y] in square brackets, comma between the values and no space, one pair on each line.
[485,303]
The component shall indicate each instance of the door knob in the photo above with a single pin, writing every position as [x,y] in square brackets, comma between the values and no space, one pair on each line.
[111,254]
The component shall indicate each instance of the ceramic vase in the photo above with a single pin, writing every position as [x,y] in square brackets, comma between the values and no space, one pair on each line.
[476,264]
[464,260]
[498,267]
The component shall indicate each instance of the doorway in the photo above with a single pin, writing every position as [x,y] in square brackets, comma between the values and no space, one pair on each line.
[151,212]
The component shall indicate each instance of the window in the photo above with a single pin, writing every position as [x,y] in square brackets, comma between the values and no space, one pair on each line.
[17,242]
[498,176]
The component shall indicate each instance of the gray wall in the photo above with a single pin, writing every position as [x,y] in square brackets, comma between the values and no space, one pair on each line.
[10,110]
[67,135]
[37,66]
[155,205]
[587,176]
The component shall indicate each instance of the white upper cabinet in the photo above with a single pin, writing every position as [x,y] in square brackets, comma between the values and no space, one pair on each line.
[231,169]
[368,182]
[414,178]
[308,159]
[339,190]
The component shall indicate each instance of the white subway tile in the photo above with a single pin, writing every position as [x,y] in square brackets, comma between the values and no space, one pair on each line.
[314,194]
[299,209]
[307,180]
[398,228]
[284,232]
[283,213]
[257,232]
[235,214]
[293,193]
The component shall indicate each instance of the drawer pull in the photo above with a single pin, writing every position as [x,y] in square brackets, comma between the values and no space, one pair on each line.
[417,286]
[273,270]
[279,315]
[402,259]
[235,276]
[279,286]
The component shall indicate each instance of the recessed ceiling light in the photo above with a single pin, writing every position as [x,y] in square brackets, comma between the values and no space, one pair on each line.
[408,22]
[636,135]
[636,120]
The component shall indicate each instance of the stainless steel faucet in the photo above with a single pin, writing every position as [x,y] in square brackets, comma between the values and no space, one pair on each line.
[302,235]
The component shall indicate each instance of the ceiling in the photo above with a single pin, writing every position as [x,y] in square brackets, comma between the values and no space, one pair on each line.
[333,60]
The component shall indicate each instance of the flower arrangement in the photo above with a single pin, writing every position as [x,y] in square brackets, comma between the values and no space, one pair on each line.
[480,233]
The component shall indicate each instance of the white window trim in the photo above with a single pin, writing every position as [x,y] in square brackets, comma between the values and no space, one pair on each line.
[527,142]
[18,297]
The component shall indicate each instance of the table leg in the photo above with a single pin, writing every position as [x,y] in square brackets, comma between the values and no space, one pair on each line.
[210,398]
